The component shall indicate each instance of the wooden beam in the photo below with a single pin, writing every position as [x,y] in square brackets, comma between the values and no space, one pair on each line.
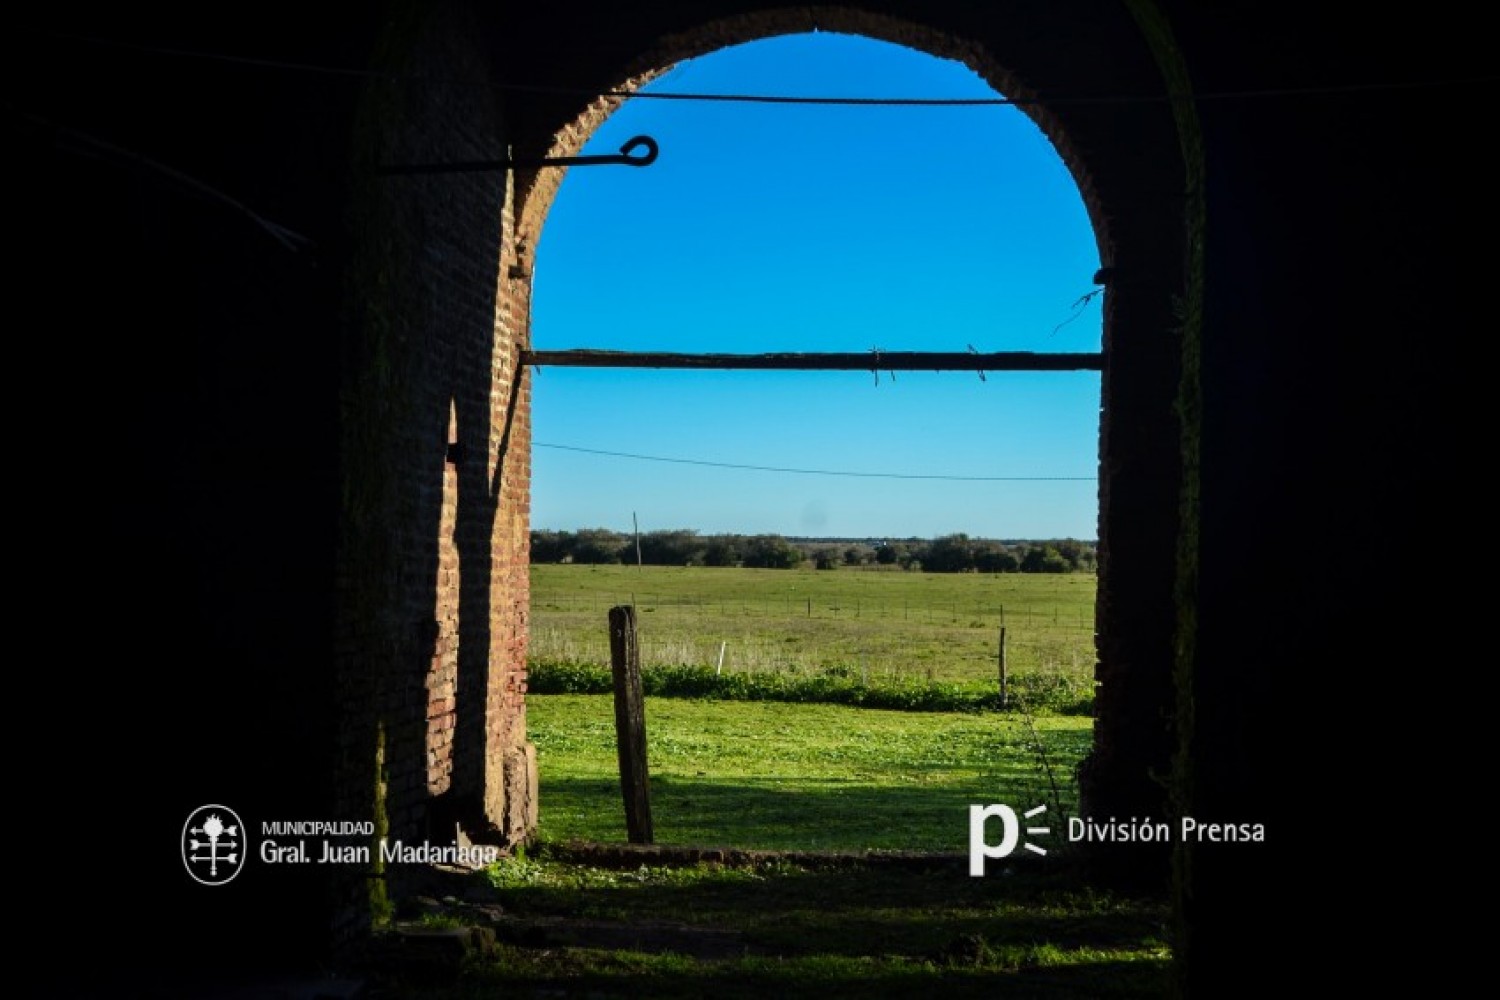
[862,361]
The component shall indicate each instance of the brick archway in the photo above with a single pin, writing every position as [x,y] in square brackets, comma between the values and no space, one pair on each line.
[1127,163]
[266,427]
[437,428]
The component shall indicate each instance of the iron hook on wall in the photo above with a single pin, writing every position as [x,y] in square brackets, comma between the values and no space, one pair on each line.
[627,156]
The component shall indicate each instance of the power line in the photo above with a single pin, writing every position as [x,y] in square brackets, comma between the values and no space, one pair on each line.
[818,472]
[944,102]
[852,101]
[93,145]
[224,57]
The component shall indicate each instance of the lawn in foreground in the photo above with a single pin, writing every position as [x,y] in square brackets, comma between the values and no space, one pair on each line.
[783,929]
[800,777]
[570,920]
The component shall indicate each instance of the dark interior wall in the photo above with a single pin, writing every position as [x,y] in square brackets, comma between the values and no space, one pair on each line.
[183,546]
[258,603]
[1338,248]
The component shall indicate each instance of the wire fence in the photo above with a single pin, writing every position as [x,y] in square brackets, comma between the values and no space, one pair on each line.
[844,634]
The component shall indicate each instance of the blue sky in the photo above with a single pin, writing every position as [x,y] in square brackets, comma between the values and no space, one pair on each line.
[817,228]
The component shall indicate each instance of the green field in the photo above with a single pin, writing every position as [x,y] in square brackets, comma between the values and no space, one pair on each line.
[824,781]
[799,777]
[779,929]
[879,625]
[571,919]
[804,776]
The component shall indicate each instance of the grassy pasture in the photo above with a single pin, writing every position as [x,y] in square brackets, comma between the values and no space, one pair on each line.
[776,775]
[799,777]
[881,625]
[776,929]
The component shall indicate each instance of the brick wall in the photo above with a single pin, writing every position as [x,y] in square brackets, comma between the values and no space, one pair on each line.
[437,440]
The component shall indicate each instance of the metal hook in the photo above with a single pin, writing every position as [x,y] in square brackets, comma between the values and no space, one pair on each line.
[623,157]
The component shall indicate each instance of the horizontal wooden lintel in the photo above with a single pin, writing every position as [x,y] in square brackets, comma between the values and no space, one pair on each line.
[890,361]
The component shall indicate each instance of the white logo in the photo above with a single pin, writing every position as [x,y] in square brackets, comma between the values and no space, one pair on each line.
[213,844]
[980,848]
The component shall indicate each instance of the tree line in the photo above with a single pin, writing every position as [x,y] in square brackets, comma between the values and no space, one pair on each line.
[956,553]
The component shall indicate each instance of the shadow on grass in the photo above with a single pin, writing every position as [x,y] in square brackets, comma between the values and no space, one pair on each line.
[923,915]
[571,923]
[747,979]
[778,930]
[797,813]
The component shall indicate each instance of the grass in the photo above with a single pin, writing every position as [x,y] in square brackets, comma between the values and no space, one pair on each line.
[572,920]
[835,686]
[883,626]
[797,776]
[779,929]
[755,757]
[854,925]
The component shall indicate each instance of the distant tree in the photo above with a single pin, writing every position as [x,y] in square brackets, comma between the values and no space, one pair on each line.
[771,552]
[1080,555]
[887,554]
[993,557]
[859,555]
[551,546]
[828,559]
[723,550]
[949,554]
[1044,559]
[597,546]
[676,547]
[1071,550]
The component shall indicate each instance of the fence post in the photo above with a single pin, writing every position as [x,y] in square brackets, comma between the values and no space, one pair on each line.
[630,723]
[1004,691]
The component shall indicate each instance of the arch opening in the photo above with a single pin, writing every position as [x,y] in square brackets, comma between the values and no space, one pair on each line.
[948,267]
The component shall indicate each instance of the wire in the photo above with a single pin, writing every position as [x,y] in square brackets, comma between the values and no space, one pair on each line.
[224,57]
[1351,88]
[1078,307]
[818,472]
[89,143]
[920,102]
[893,102]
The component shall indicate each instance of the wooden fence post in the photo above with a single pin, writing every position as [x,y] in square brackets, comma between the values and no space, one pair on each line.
[630,723]
[1004,692]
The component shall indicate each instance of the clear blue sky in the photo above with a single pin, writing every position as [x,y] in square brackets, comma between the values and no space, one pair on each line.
[797,228]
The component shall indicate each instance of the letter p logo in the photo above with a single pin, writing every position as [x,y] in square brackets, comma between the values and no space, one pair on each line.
[979,847]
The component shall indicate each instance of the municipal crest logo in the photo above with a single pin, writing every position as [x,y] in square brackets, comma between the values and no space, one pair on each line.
[213,844]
